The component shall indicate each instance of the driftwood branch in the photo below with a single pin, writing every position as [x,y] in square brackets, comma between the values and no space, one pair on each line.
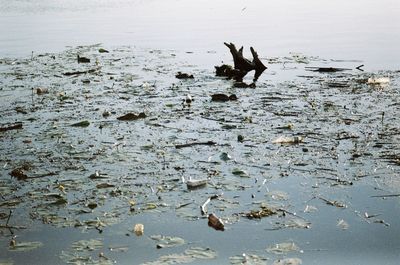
[178,146]
[242,65]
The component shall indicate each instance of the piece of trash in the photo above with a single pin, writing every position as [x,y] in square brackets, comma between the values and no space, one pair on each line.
[225,156]
[310,209]
[215,222]
[204,205]
[378,81]
[81,124]
[138,229]
[342,224]
[132,116]
[288,140]
[196,183]
[188,99]
[223,97]
[41,90]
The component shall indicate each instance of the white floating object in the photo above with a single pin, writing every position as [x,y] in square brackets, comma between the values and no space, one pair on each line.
[378,81]
[196,183]
[288,140]
[139,229]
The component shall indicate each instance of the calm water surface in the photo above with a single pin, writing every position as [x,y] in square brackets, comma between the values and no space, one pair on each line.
[366,30]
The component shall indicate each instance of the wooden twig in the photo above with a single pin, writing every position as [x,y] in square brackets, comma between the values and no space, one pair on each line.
[326,69]
[384,196]
[81,72]
[8,218]
[204,205]
[178,146]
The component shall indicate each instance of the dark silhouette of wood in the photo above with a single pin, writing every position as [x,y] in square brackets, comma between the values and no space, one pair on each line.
[242,65]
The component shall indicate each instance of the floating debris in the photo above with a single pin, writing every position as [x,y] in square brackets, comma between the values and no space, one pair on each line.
[378,81]
[24,246]
[215,222]
[82,59]
[223,97]
[288,140]
[342,224]
[264,211]
[138,229]
[283,248]
[101,50]
[81,124]
[181,75]
[167,241]
[16,126]
[196,183]
[132,116]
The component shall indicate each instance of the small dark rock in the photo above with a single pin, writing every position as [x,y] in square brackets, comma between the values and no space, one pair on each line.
[223,97]
[181,75]
[83,59]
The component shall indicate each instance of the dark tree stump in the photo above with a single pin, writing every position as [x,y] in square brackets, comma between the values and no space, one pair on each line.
[241,65]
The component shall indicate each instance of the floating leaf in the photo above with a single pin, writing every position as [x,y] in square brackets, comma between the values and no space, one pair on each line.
[132,116]
[310,209]
[248,260]
[288,261]
[6,262]
[201,253]
[278,195]
[239,172]
[167,241]
[25,246]
[87,245]
[283,248]
[81,124]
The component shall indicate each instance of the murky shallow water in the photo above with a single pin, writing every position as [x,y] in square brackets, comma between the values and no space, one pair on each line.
[340,116]
[349,154]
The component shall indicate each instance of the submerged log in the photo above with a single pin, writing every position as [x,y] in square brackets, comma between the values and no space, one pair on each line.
[241,65]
